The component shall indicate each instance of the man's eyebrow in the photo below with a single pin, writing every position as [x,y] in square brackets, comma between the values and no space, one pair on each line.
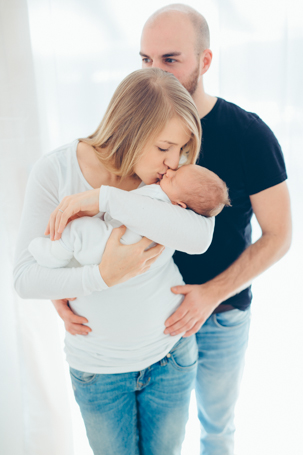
[169,54]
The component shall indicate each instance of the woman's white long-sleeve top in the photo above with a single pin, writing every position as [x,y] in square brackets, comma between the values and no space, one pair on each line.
[145,298]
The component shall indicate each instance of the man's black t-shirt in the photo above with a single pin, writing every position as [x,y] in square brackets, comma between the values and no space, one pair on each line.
[241,149]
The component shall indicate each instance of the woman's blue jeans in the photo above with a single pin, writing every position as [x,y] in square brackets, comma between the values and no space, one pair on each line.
[143,412]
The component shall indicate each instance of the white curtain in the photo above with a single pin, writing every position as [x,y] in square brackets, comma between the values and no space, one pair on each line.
[60,62]
[35,416]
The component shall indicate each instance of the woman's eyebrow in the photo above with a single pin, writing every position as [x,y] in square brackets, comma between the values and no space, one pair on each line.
[168,142]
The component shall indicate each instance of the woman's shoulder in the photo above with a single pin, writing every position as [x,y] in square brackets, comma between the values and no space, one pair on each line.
[55,163]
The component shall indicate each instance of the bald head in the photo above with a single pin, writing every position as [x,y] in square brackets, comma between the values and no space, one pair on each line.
[198,22]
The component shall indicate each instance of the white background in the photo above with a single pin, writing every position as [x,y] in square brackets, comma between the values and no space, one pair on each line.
[60,61]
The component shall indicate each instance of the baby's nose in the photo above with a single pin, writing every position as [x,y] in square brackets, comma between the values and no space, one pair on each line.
[169,173]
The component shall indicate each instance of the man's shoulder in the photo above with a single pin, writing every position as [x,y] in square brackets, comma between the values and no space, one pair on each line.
[234,118]
[232,112]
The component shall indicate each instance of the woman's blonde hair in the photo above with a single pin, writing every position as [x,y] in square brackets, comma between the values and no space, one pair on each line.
[140,108]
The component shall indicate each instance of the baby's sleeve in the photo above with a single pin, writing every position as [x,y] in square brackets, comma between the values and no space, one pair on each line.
[162,222]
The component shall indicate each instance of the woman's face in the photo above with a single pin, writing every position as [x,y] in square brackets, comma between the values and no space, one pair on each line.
[163,152]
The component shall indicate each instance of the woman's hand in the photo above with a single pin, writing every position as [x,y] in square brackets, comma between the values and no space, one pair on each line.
[73,324]
[70,208]
[122,262]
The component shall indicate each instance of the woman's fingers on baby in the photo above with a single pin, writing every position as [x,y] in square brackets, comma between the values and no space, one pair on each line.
[54,223]
[52,226]
[155,251]
[47,231]
[118,232]
[57,222]
[68,212]
[144,243]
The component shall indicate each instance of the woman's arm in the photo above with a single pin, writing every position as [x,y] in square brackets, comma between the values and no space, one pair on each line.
[32,280]
[167,224]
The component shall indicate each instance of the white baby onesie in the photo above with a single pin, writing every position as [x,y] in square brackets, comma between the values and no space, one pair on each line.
[85,238]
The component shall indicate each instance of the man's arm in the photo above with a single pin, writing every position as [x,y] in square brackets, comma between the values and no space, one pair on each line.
[272,210]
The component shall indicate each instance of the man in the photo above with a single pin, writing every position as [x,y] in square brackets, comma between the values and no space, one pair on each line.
[243,151]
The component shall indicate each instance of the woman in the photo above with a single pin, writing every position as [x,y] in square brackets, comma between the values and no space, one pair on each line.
[131,381]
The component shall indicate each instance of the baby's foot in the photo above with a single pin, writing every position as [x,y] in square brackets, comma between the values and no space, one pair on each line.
[49,254]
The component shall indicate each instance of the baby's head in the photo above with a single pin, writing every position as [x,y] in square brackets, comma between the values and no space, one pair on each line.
[196,187]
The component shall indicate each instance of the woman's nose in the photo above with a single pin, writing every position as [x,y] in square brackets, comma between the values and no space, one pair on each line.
[172,159]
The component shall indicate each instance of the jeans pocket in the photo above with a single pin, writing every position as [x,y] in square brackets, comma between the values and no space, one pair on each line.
[231,319]
[82,376]
[184,354]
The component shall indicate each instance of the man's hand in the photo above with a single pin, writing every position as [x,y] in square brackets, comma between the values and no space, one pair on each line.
[198,304]
[122,262]
[73,324]
[272,210]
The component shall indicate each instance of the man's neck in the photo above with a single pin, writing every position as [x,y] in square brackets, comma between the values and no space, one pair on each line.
[203,101]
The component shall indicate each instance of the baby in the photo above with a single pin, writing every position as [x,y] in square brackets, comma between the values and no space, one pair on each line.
[197,188]
[84,239]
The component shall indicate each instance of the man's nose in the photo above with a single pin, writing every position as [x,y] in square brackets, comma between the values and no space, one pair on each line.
[158,64]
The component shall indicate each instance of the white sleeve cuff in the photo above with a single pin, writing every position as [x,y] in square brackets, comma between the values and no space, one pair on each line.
[92,279]
[103,198]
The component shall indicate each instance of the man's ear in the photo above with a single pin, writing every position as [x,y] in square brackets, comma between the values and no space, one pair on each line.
[205,61]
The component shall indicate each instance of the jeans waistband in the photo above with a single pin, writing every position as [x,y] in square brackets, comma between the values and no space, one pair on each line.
[223,307]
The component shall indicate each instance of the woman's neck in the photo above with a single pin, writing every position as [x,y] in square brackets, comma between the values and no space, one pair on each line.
[96,174]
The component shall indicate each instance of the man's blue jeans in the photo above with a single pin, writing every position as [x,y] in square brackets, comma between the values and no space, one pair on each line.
[222,342]
[143,412]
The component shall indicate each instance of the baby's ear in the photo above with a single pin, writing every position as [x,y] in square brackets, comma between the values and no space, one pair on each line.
[181,204]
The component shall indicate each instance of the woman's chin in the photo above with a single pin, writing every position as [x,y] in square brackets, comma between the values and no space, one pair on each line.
[151,180]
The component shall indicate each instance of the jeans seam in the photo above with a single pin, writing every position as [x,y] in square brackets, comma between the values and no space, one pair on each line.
[223,327]
[186,368]
[81,381]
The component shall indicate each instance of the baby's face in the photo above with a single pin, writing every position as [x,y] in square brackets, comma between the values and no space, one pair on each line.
[175,183]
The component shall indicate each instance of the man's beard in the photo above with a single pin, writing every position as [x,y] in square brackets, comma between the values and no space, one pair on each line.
[192,83]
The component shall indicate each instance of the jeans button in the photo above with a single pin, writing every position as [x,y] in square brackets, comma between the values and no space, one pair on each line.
[168,356]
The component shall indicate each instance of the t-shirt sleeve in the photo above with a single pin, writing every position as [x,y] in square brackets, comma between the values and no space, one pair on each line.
[262,158]
[32,280]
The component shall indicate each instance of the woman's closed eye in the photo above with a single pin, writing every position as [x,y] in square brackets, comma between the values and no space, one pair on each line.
[162,150]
